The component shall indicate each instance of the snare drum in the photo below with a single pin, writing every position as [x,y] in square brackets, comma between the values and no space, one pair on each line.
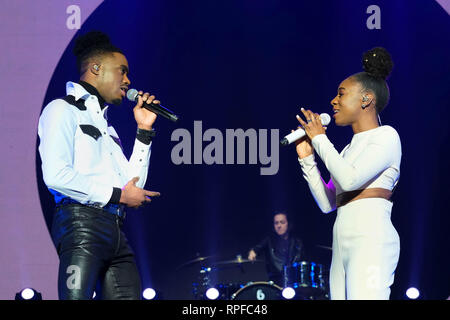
[258,291]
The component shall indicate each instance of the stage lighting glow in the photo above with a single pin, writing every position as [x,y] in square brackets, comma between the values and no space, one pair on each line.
[288,293]
[412,293]
[27,294]
[149,294]
[212,293]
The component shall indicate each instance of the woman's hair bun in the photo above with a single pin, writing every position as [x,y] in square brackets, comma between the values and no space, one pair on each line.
[377,62]
[91,41]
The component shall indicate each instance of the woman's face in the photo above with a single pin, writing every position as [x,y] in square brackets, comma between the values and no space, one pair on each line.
[347,104]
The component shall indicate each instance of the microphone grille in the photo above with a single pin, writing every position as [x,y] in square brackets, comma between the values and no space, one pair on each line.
[132,94]
[325,118]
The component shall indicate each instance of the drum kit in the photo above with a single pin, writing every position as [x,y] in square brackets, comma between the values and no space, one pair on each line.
[304,280]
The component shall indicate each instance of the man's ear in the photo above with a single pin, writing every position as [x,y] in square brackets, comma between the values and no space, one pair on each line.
[95,68]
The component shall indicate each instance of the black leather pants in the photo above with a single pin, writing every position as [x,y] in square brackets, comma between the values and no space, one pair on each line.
[93,255]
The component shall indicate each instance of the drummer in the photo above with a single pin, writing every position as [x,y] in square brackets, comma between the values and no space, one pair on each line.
[280,248]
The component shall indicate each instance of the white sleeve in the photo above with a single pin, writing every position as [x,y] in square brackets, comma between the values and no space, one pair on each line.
[139,162]
[56,129]
[377,156]
[323,193]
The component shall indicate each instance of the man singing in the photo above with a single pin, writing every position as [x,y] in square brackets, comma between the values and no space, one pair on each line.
[92,181]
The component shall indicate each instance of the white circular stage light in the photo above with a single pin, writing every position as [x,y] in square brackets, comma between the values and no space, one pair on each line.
[212,293]
[412,293]
[149,294]
[288,293]
[27,294]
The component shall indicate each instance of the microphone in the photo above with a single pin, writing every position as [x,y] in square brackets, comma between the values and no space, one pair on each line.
[300,133]
[133,94]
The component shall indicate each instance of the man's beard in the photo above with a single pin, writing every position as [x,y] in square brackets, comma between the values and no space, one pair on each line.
[116,102]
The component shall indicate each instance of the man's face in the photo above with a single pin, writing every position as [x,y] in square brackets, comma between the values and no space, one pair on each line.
[280,224]
[112,81]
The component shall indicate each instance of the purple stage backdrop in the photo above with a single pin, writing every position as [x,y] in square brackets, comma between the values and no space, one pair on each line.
[33,36]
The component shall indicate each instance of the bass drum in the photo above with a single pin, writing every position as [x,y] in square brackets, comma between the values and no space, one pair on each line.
[258,291]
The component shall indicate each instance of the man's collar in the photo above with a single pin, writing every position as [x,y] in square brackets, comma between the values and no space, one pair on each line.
[93,91]
[83,90]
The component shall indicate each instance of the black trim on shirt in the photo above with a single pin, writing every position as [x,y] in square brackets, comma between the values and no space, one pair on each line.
[77,103]
[115,197]
[93,90]
[145,136]
[91,131]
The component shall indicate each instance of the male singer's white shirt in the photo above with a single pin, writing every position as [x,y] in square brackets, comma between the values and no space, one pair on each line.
[78,165]
[371,160]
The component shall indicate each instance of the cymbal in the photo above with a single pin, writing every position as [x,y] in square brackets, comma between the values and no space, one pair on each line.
[193,261]
[236,261]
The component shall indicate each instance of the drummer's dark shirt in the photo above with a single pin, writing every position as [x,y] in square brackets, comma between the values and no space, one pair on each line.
[281,249]
[278,253]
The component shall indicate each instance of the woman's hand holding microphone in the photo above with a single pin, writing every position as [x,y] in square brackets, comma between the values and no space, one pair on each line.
[313,126]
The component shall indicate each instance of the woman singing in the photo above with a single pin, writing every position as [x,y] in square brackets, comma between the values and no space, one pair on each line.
[366,245]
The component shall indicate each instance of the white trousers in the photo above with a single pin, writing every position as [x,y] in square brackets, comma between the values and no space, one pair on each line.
[366,249]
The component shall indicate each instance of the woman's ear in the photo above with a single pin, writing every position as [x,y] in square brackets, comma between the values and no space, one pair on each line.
[366,100]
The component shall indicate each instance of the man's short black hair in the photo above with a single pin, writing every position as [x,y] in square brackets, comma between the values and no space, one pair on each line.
[90,45]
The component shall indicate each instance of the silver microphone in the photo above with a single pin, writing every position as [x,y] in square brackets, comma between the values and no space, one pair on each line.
[133,94]
[300,133]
